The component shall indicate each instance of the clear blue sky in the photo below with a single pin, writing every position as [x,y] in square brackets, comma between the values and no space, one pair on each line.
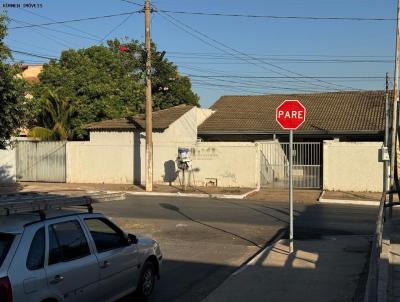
[308,47]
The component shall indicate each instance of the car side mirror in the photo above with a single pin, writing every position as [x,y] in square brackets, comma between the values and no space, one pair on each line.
[132,239]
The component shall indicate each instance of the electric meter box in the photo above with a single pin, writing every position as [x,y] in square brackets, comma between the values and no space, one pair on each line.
[384,154]
[183,153]
[183,160]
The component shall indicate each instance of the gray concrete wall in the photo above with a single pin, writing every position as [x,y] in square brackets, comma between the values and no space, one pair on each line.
[8,170]
[352,166]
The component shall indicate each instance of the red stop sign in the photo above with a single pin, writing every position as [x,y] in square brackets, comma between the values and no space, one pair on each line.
[290,114]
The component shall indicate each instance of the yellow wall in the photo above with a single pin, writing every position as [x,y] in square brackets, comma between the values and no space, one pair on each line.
[32,72]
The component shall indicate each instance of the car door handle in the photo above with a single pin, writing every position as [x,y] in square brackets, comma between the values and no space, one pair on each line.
[105,264]
[57,279]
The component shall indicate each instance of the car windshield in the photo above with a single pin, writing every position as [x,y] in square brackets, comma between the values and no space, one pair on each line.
[5,243]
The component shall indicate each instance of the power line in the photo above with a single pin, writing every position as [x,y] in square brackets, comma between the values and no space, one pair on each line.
[275,16]
[131,2]
[116,27]
[28,62]
[253,58]
[218,48]
[32,54]
[260,79]
[65,25]
[245,88]
[252,82]
[285,59]
[28,44]
[45,35]
[283,55]
[280,77]
[246,84]
[74,20]
[51,29]
[225,88]
[221,61]
[256,85]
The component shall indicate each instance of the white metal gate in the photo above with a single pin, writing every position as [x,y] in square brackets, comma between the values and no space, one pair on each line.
[41,161]
[274,158]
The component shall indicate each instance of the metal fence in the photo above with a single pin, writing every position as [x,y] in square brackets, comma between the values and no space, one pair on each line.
[41,161]
[275,165]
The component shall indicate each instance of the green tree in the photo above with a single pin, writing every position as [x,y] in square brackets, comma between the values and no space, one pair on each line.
[102,82]
[56,117]
[12,97]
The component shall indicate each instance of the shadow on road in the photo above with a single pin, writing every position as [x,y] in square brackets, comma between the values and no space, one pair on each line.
[177,210]
[331,247]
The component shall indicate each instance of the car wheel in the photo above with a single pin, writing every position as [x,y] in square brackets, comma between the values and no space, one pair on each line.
[146,282]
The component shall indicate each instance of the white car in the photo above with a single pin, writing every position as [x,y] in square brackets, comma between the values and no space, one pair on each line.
[64,255]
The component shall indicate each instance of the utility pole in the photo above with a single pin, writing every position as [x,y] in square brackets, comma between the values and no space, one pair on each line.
[149,102]
[386,139]
[394,108]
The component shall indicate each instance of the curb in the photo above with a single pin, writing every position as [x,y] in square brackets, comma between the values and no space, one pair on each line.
[197,195]
[268,246]
[349,201]
[165,194]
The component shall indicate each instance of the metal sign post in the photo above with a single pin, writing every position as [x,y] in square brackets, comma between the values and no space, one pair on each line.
[291,191]
[290,115]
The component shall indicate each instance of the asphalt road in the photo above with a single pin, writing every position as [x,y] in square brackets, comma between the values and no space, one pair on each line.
[205,240]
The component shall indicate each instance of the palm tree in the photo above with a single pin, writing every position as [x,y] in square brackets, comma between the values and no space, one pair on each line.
[57,114]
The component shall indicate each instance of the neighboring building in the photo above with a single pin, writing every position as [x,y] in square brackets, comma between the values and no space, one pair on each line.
[240,133]
[175,124]
[116,150]
[348,116]
[241,151]
[31,72]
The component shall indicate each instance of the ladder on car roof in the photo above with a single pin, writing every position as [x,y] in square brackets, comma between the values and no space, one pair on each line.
[40,202]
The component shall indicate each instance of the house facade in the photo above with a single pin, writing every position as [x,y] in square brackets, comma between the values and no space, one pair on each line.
[119,145]
[238,139]
[235,143]
[347,116]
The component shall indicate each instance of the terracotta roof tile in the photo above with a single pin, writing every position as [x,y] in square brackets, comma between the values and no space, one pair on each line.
[326,112]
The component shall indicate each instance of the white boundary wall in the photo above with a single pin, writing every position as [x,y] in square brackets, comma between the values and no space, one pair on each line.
[93,163]
[352,166]
[119,157]
[8,169]
[231,164]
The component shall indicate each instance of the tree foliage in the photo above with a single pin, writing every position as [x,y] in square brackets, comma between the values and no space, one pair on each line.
[102,82]
[56,117]
[12,97]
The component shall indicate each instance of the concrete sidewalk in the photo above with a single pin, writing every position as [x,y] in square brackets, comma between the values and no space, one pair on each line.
[328,269]
[158,190]
[255,194]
